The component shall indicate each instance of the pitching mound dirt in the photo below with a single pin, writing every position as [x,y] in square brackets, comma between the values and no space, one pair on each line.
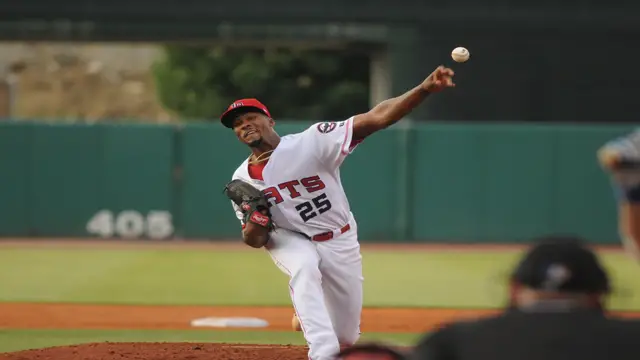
[165,351]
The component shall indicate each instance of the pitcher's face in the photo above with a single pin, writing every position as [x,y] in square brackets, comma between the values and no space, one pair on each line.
[251,127]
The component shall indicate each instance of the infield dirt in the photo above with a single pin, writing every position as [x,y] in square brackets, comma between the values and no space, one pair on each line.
[84,316]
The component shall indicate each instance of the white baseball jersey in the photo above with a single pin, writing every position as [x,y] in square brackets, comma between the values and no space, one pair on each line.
[302,179]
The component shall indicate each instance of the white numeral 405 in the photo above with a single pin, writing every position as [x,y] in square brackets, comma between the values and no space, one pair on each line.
[131,224]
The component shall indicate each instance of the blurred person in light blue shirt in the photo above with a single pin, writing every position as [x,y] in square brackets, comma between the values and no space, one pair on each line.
[620,158]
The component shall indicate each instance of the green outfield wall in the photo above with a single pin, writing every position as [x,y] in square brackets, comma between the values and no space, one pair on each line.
[430,182]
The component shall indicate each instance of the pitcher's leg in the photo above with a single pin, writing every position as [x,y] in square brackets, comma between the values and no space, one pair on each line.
[297,257]
[341,267]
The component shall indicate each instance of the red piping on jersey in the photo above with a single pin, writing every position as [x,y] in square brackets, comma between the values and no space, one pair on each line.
[346,136]
[255,172]
[353,143]
[295,308]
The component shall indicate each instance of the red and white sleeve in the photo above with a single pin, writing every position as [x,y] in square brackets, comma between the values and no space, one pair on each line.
[333,140]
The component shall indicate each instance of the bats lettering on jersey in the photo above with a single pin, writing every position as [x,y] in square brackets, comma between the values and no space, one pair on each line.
[307,210]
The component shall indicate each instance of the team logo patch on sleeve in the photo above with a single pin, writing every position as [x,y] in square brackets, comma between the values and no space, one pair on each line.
[326,127]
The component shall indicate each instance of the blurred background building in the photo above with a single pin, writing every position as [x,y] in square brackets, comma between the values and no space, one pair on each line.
[569,61]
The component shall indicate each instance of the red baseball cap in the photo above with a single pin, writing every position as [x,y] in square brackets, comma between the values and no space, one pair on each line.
[240,106]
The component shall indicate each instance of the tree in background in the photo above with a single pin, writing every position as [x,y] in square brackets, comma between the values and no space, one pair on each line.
[199,83]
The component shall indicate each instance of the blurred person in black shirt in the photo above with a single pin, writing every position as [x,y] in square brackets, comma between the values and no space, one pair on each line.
[557,302]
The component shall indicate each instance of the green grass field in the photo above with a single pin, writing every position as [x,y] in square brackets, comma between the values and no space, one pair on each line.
[208,277]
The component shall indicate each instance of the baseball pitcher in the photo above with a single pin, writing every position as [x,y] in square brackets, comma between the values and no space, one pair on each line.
[289,199]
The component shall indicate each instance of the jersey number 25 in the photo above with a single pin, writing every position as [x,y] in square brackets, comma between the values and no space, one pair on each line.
[310,209]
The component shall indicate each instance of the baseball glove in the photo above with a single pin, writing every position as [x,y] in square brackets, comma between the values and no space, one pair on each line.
[251,201]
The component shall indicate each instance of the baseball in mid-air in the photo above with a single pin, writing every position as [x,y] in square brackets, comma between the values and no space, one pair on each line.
[460,54]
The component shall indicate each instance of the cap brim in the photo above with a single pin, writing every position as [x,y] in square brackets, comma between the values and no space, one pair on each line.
[228,117]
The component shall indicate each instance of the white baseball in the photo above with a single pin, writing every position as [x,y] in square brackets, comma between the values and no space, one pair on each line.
[460,54]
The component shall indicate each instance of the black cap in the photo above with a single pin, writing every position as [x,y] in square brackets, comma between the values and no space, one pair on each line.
[371,351]
[562,264]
